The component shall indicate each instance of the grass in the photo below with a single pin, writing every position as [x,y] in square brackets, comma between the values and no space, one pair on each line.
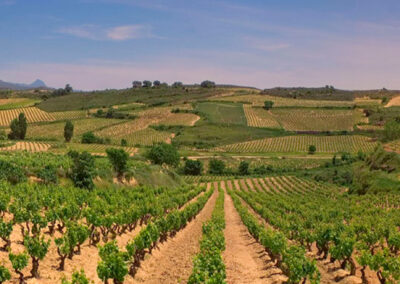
[106,98]
[208,135]
[222,113]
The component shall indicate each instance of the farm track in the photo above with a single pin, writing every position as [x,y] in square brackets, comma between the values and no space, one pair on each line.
[172,261]
[246,260]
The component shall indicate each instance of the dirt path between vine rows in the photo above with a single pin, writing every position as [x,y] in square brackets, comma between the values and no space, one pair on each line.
[246,260]
[173,261]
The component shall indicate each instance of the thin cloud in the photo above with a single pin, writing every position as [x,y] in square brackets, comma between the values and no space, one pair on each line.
[118,33]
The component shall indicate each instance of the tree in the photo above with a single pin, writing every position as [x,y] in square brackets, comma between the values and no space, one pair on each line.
[119,160]
[207,84]
[18,127]
[193,167]
[156,83]
[136,84]
[124,143]
[163,153]
[68,89]
[216,167]
[19,262]
[312,149]
[68,131]
[244,168]
[83,169]
[147,84]
[268,104]
[177,85]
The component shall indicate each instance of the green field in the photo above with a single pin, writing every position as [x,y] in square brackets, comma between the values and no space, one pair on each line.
[222,113]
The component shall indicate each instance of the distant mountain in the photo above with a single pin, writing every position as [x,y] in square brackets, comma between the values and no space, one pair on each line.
[19,86]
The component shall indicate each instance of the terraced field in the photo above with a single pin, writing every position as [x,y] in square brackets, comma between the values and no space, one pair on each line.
[32,114]
[27,146]
[324,144]
[55,130]
[259,117]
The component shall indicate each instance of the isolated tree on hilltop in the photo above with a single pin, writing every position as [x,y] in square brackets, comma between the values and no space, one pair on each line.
[18,127]
[156,83]
[207,84]
[68,131]
[68,88]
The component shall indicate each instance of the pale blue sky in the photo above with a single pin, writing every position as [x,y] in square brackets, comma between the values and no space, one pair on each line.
[95,44]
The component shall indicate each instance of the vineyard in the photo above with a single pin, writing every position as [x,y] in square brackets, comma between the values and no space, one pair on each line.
[258,100]
[317,120]
[27,146]
[259,117]
[74,114]
[97,149]
[32,114]
[16,103]
[147,137]
[393,146]
[55,130]
[301,143]
[186,119]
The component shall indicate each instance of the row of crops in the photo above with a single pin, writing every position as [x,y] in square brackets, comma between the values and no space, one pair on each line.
[302,224]
[301,143]
[55,226]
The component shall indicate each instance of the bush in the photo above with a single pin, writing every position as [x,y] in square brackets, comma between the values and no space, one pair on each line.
[163,153]
[12,173]
[90,138]
[216,167]
[268,104]
[83,170]
[119,159]
[48,175]
[391,130]
[3,134]
[193,167]
[124,143]
[5,274]
[244,168]
[312,149]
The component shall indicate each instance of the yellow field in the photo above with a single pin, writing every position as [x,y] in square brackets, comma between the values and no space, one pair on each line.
[259,117]
[148,137]
[96,149]
[27,146]
[32,114]
[394,102]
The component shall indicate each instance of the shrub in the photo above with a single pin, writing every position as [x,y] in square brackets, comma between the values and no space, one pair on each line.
[391,130]
[90,138]
[216,167]
[193,167]
[112,264]
[312,149]
[48,175]
[5,274]
[3,134]
[68,131]
[12,173]
[177,85]
[268,104]
[124,143]
[163,153]
[77,278]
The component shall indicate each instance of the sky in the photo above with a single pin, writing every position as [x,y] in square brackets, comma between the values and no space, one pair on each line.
[99,44]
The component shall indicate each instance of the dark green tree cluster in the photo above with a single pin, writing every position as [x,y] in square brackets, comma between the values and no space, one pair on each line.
[119,160]
[163,153]
[83,170]
[207,84]
[268,105]
[193,167]
[18,127]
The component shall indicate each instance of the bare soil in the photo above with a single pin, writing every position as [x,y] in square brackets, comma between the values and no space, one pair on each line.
[246,260]
[172,262]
